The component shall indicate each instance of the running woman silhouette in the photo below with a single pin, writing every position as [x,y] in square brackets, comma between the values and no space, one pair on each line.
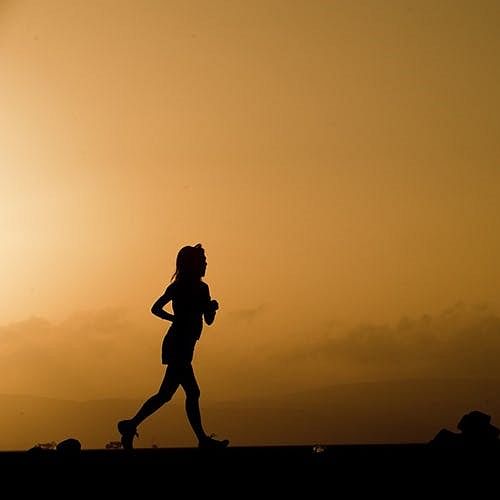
[191,304]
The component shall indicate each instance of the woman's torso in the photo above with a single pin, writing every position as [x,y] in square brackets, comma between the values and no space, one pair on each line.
[189,301]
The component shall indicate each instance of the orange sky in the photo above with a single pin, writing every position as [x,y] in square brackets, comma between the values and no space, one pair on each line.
[338,160]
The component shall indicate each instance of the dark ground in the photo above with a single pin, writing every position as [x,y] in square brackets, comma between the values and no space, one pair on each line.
[241,471]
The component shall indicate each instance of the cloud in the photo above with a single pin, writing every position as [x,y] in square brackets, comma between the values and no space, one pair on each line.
[247,315]
[462,341]
[112,353]
[88,355]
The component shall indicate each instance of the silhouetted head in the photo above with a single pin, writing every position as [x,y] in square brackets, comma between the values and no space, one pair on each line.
[191,263]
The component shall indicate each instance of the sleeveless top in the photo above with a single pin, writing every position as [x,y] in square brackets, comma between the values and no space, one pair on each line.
[190,300]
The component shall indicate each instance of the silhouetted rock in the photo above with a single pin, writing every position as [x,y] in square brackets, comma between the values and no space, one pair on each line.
[447,438]
[476,428]
[69,446]
[476,431]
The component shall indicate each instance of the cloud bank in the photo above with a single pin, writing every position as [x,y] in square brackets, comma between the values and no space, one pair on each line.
[112,353]
[462,341]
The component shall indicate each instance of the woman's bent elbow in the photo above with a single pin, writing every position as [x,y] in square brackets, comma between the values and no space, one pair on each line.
[156,311]
[209,318]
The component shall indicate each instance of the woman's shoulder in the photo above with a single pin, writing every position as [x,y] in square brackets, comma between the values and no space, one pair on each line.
[171,287]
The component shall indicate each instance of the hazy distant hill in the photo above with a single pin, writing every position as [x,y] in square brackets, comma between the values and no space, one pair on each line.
[383,412]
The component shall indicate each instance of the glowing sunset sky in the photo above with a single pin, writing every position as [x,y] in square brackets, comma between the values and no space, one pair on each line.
[339,161]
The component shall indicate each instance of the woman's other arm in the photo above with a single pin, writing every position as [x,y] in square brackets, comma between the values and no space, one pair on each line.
[209,313]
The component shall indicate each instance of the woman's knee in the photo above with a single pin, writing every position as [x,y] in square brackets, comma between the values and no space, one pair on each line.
[163,397]
[193,394]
